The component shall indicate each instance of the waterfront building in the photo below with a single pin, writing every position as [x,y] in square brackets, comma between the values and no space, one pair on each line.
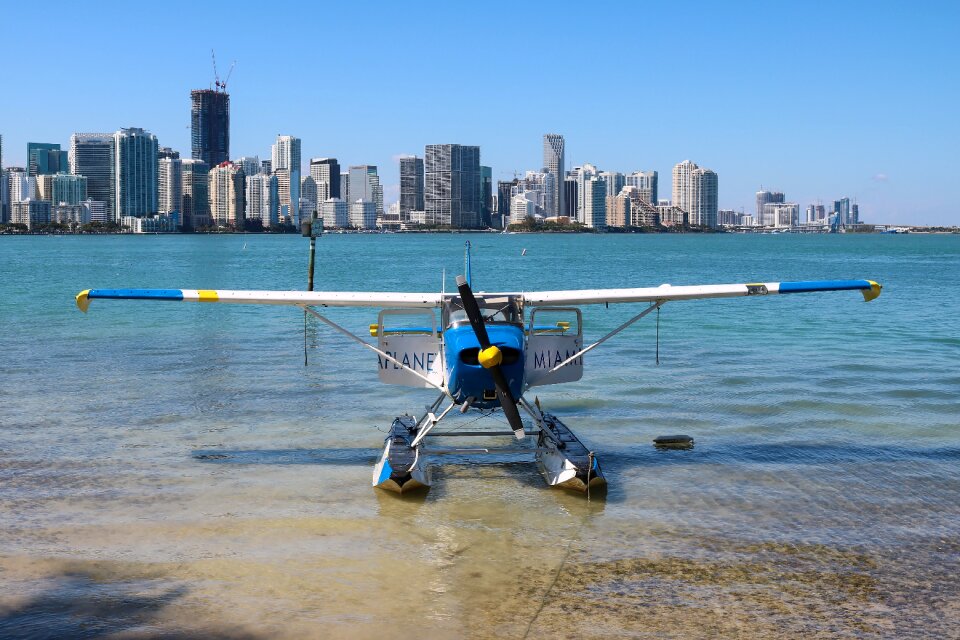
[646,181]
[670,215]
[68,189]
[763,198]
[618,209]
[20,186]
[262,199]
[523,206]
[855,213]
[30,212]
[91,155]
[595,203]
[704,198]
[365,185]
[411,186]
[841,208]
[728,218]
[584,174]
[452,185]
[570,191]
[553,162]
[135,173]
[541,184]
[363,214]
[226,187]
[308,197]
[615,181]
[811,214]
[683,186]
[821,212]
[781,214]
[286,163]
[195,203]
[504,193]
[345,186]
[75,215]
[150,224]
[486,197]
[169,183]
[210,126]
[326,173]
[45,158]
[335,213]
[96,210]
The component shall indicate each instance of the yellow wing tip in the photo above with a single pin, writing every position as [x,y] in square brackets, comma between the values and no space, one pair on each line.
[83,300]
[873,292]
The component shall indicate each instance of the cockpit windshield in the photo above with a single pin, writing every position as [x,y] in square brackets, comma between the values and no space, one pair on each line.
[495,310]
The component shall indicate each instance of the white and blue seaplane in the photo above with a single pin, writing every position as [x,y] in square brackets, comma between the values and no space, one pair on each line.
[487,352]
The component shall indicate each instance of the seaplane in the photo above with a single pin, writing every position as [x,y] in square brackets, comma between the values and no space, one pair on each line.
[483,352]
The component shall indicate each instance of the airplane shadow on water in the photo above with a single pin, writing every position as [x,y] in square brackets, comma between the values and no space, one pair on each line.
[82,605]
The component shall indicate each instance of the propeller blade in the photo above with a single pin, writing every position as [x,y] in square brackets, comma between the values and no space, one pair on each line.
[473,312]
[490,357]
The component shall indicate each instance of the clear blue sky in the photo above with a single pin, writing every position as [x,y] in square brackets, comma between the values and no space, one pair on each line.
[819,100]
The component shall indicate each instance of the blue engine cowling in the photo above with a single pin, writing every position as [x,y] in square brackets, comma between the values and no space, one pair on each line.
[467,378]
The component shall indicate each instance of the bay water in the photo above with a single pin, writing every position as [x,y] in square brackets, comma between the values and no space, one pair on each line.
[174,470]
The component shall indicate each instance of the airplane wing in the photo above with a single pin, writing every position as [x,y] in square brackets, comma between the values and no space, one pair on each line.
[666,292]
[297,298]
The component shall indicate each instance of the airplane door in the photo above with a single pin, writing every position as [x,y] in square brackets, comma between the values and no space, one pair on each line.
[410,336]
[554,334]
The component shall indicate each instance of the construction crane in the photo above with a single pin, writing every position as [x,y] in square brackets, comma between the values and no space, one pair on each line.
[220,86]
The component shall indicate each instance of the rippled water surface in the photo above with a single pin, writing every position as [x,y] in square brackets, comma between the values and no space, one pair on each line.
[173,469]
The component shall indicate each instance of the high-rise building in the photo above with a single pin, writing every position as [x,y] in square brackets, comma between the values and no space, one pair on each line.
[250,165]
[345,186]
[91,155]
[44,158]
[226,189]
[266,166]
[68,189]
[363,214]
[595,203]
[504,190]
[365,185]
[169,183]
[3,187]
[336,213]
[210,126]
[135,173]
[452,185]
[486,197]
[167,152]
[195,207]
[20,186]
[855,213]
[615,182]
[841,208]
[326,173]
[584,174]
[763,198]
[570,197]
[683,186]
[286,161]
[646,181]
[553,162]
[308,196]
[262,199]
[411,186]
[703,202]
[781,214]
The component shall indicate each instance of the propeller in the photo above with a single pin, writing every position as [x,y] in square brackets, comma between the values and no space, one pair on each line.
[490,357]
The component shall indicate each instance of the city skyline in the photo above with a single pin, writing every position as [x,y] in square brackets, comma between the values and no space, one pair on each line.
[868,115]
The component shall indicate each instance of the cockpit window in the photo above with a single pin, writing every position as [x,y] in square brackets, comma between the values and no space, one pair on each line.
[499,309]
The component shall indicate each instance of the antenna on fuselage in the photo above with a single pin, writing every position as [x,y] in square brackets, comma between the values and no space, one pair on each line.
[466,263]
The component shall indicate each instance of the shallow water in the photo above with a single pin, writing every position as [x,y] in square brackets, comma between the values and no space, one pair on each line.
[175,470]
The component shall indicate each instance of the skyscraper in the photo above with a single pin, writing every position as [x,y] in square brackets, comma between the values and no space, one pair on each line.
[365,185]
[68,188]
[210,126]
[195,206]
[765,197]
[135,173]
[226,195]
[169,183]
[704,187]
[46,158]
[595,203]
[411,186]
[584,174]
[262,199]
[326,173]
[486,196]
[91,155]
[646,181]
[452,185]
[504,191]
[285,159]
[553,162]
[683,186]
[308,196]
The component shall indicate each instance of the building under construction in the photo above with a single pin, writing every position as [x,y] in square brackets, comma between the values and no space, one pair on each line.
[210,126]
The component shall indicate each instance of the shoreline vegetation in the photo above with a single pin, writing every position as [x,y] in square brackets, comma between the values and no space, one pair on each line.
[113,228]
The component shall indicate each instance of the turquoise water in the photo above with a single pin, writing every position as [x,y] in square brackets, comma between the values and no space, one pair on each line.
[173,469]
